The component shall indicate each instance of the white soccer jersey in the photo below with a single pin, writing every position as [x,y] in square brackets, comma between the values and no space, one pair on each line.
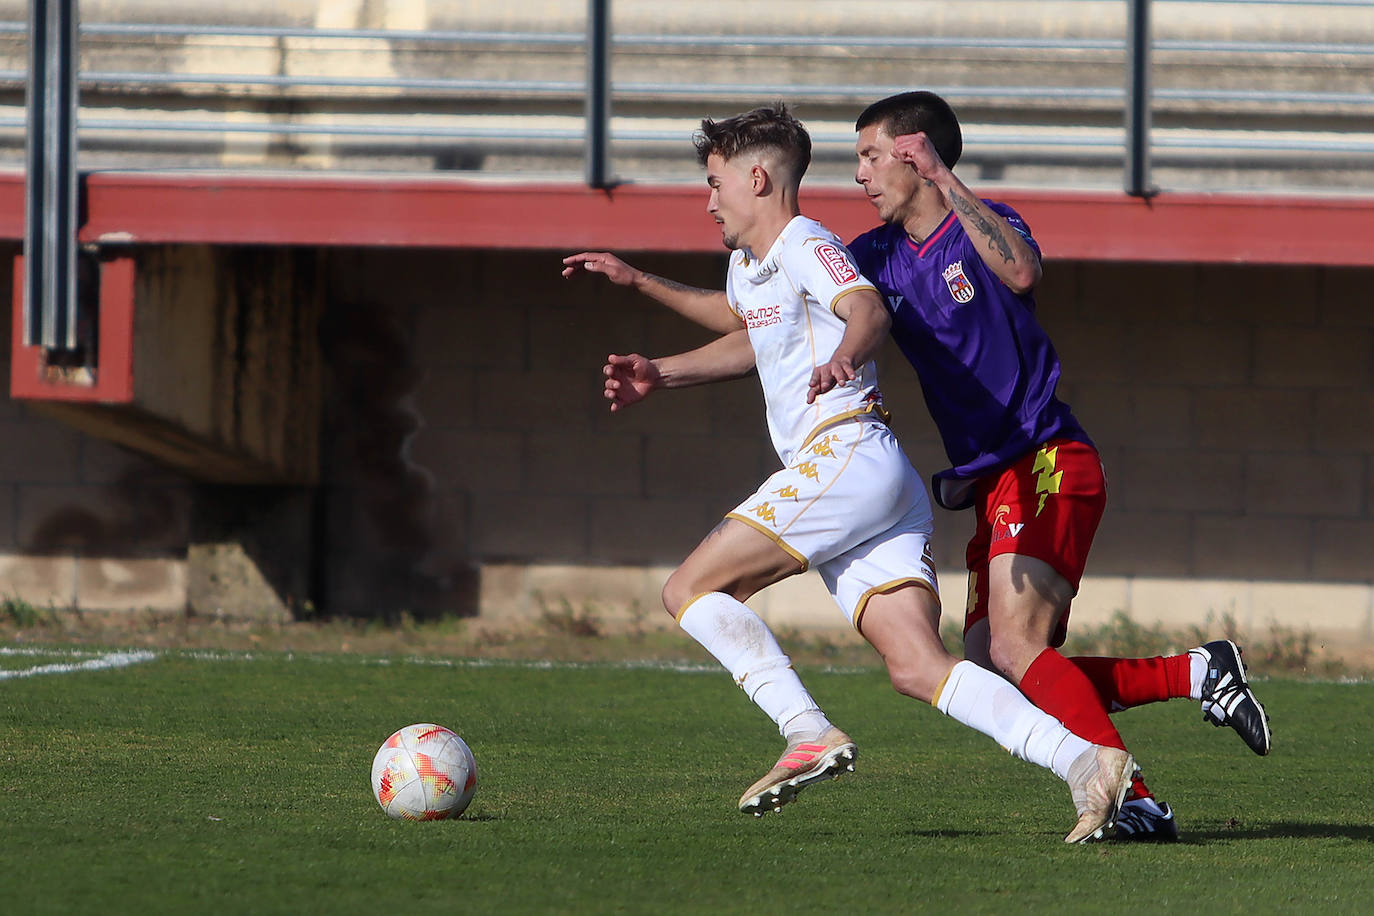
[787,300]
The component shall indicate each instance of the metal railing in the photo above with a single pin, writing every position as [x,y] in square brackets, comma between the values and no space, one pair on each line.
[571,111]
[1107,118]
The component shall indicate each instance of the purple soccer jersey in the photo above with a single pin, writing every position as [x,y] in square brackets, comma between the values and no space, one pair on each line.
[987,368]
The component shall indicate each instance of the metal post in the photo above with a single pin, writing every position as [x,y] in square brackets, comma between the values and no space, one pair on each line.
[51,180]
[1138,99]
[598,114]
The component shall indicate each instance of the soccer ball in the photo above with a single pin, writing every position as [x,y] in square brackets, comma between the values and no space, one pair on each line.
[424,772]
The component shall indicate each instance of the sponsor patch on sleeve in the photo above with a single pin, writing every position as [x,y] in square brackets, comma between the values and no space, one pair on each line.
[837,263]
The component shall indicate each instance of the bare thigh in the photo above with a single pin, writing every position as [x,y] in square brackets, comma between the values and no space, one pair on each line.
[735,559]
[1025,600]
[903,625]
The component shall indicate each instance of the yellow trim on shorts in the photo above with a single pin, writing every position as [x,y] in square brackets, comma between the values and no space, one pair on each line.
[852,289]
[876,408]
[883,589]
[690,601]
[772,536]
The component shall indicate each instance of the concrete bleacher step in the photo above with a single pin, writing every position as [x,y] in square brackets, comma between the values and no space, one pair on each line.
[1039,86]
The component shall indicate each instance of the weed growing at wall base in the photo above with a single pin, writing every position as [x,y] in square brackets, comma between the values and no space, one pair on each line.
[238,782]
[582,632]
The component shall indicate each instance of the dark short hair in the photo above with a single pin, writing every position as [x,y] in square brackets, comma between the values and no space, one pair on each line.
[771,128]
[913,112]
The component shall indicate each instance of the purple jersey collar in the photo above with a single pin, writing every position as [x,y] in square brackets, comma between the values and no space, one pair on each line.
[923,248]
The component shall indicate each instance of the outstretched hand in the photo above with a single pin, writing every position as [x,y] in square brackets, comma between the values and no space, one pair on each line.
[600,262]
[917,151]
[629,379]
[837,372]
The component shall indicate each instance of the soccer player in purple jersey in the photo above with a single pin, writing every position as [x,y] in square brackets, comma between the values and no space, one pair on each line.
[959,275]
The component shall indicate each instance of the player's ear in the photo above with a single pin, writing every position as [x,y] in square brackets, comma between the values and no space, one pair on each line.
[759,179]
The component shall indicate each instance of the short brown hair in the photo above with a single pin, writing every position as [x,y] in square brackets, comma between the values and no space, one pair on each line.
[771,128]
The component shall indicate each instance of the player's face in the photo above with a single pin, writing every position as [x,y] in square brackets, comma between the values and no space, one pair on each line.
[890,184]
[732,197]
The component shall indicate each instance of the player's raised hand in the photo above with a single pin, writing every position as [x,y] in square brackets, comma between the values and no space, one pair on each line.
[838,371]
[600,262]
[917,151]
[629,379]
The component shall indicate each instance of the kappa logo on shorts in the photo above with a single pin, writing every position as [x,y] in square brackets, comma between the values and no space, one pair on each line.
[787,492]
[837,263]
[821,447]
[959,285]
[766,512]
[809,469]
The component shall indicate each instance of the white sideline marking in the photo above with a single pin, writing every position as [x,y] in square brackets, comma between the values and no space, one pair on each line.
[679,667]
[99,662]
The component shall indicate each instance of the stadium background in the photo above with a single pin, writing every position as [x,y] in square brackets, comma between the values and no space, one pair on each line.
[339,372]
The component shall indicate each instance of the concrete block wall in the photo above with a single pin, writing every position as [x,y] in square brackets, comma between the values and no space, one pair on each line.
[470,460]
[1232,406]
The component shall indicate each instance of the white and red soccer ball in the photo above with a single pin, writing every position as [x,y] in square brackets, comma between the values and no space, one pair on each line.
[424,772]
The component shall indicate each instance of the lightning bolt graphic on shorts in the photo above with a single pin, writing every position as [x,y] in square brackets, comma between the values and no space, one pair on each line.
[1047,478]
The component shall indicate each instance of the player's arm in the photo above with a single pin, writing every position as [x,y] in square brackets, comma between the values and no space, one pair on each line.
[707,307]
[866,325]
[1003,249]
[632,378]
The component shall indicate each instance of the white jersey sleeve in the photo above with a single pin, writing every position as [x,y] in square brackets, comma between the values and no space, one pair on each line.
[824,269]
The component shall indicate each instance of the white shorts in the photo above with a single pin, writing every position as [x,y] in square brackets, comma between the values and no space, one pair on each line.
[852,506]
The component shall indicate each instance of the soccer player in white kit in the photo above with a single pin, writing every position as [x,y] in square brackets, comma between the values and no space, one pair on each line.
[847,501]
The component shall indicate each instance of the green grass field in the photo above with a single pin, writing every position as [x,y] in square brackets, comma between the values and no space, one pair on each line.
[238,783]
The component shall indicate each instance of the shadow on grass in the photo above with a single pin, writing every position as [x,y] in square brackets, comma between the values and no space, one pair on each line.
[1282,830]
[945,834]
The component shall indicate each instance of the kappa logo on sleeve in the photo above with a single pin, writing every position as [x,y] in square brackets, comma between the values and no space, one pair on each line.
[837,263]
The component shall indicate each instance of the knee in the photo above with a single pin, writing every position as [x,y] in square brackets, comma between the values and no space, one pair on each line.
[678,592]
[1012,654]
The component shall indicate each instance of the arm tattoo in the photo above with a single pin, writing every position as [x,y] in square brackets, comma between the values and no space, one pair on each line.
[676,286]
[984,225]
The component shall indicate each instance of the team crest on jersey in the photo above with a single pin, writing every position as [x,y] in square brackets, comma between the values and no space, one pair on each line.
[959,286]
[837,263]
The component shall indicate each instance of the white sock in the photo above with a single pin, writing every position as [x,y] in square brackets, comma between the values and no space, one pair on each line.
[985,702]
[1197,673]
[742,642]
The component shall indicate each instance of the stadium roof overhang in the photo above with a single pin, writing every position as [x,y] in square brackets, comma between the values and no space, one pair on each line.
[366,210]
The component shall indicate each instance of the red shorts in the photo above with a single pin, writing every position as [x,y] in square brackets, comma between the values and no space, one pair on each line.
[1046,506]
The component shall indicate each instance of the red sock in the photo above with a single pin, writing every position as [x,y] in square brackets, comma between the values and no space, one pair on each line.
[1123,683]
[1061,689]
